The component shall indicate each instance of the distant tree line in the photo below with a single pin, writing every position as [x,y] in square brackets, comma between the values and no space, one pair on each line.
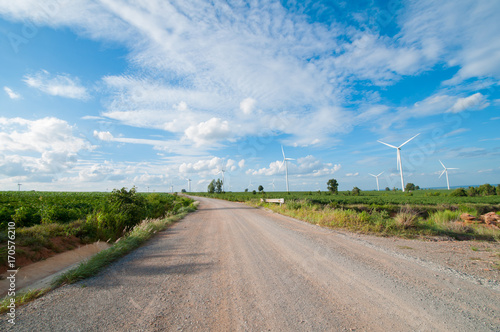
[483,190]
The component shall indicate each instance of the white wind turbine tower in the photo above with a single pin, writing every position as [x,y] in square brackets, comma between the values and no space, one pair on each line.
[285,159]
[272,183]
[222,170]
[19,186]
[250,184]
[446,171]
[189,185]
[399,163]
[376,177]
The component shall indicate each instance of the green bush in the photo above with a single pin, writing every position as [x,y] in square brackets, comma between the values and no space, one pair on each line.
[460,192]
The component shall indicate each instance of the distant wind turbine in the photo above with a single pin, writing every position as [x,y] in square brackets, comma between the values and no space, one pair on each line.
[250,184]
[272,183]
[285,159]
[376,177]
[222,170]
[446,171]
[189,185]
[19,186]
[399,163]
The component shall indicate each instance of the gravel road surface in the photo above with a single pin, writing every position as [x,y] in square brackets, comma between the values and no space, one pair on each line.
[230,267]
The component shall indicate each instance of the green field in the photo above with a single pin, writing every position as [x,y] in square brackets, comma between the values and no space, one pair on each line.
[418,197]
[413,214]
[51,222]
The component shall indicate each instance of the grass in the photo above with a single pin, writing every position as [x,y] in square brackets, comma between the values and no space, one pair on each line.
[132,240]
[409,222]
[22,298]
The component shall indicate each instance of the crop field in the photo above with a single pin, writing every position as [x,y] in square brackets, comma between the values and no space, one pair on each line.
[50,222]
[418,197]
[411,214]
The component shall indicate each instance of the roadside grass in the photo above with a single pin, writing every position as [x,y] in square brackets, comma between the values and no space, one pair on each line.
[130,241]
[22,298]
[408,222]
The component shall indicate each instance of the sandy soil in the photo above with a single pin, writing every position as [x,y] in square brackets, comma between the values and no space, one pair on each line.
[230,267]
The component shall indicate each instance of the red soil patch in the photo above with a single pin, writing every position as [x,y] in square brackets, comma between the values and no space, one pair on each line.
[26,255]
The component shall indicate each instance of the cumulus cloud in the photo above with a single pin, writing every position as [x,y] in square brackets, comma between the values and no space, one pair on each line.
[45,146]
[209,167]
[302,167]
[11,93]
[58,85]
[212,130]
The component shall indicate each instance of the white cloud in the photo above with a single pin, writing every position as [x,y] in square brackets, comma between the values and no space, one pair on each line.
[352,174]
[210,131]
[462,33]
[247,105]
[44,146]
[305,166]
[476,101]
[203,168]
[11,93]
[103,135]
[59,85]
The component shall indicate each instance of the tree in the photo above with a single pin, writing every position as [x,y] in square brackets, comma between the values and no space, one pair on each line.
[498,189]
[356,191]
[246,190]
[472,191]
[333,186]
[211,187]
[410,187]
[218,186]
[486,189]
[261,188]
[460,192]
[387,189]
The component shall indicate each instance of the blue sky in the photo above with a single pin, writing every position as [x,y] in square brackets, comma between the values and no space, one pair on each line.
[107,94]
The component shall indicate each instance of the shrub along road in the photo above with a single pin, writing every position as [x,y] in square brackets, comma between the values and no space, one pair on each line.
[232,267]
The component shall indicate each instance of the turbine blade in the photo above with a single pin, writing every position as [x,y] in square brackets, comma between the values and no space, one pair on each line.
[409,140]
[442,164]
[281,165]
[442,173]
[283,151]
[290,159]
[380,174]
[392,146]
[372,175]
[453,168]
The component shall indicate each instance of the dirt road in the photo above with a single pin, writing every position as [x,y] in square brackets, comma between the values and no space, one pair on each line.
[230,267]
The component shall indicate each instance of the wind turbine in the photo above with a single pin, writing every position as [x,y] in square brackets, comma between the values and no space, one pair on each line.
[399,163]
[376,177]
[446,171]
[250,184]
[19,186]
[222,170]
[272,183]
[285,159]
[189,185]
